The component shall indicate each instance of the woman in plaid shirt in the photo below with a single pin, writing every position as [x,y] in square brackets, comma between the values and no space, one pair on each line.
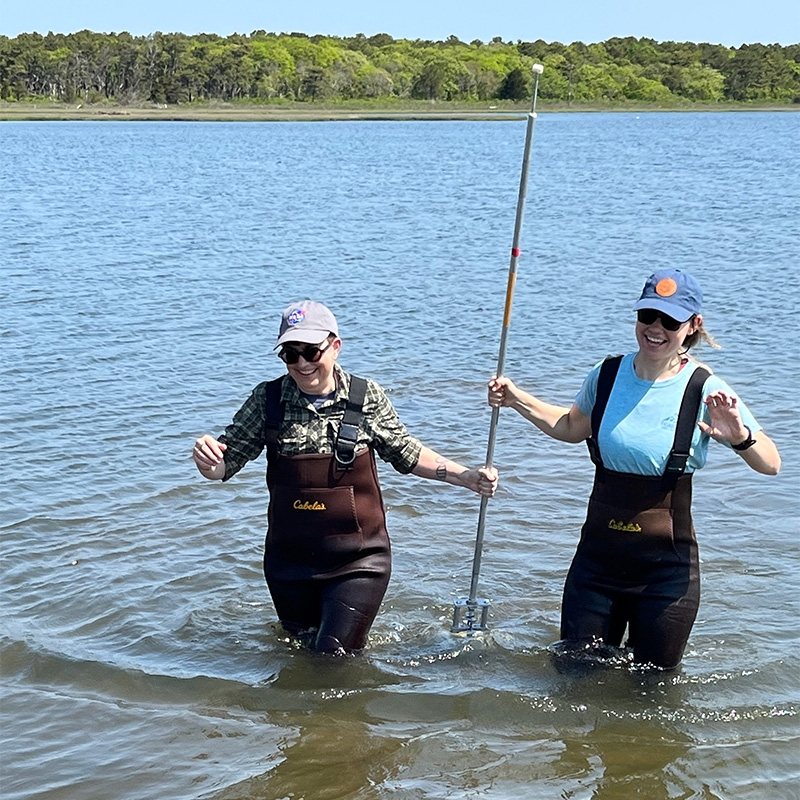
[327,557]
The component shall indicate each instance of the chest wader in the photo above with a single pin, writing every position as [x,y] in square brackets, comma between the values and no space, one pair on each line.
[636,564]
[327,557]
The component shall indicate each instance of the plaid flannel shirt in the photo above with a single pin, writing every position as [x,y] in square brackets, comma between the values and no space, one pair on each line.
[306,429]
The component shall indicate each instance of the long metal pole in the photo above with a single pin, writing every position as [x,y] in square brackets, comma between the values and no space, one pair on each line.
[473,602]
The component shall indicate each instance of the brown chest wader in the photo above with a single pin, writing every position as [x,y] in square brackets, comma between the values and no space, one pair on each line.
[636,563]
[327,557]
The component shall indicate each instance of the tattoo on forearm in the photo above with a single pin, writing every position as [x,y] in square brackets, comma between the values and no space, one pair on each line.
[441,468]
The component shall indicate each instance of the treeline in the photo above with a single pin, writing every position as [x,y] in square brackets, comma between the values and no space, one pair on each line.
[263,67]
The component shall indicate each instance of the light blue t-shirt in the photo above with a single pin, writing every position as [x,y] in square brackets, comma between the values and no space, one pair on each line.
[638,426]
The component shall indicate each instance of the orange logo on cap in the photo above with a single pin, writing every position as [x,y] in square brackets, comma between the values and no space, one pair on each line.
[666,287]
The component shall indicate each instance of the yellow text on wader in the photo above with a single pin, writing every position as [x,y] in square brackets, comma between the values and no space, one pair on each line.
[305,505]
[629,527]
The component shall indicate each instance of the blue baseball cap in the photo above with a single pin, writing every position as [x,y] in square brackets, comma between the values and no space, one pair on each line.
[672,292]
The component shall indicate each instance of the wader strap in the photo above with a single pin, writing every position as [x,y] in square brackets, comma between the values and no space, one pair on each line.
[684,428]
[605,381]
[345,447]
[273,416]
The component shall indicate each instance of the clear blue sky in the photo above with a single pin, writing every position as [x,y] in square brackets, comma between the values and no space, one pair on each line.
[728,22]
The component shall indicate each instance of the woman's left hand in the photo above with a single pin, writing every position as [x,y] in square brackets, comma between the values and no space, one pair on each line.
[727,426]
[726,421]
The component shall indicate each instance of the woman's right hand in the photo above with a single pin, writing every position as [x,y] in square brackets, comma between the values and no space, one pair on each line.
[560,422]
[502,392]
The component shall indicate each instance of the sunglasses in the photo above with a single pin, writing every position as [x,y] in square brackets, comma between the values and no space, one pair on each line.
[647,316]
[311,353]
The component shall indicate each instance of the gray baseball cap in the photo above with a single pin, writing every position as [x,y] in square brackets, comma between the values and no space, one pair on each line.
[306,321]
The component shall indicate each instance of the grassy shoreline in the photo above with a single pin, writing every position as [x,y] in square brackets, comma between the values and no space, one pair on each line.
[296,112]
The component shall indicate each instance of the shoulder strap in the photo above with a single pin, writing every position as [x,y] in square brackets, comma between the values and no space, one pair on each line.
[605,382]
[345,447]
[273,415]
[684,428]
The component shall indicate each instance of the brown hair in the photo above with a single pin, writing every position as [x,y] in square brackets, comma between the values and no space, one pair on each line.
[700,336]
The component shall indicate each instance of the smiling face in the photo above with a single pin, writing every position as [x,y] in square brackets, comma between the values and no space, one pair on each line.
[657,343]
[315,377]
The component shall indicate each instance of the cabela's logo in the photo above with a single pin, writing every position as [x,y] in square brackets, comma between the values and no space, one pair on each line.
[629,527]
[305,505]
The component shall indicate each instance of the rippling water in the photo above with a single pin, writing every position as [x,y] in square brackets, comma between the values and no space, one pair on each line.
[144,268]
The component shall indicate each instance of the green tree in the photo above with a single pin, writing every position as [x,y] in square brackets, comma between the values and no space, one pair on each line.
[438,78]
[592,83]
[758,72]
[537,50]
[554,83]
[371,81]
[274,68]
[515,86]
[696,82]
[637,87]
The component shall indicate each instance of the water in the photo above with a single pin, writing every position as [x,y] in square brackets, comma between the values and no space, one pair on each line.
[144,269]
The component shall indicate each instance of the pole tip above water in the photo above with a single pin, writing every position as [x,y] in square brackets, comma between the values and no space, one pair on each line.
[538,69]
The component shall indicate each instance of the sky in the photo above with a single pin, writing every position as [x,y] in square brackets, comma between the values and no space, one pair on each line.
[727,22]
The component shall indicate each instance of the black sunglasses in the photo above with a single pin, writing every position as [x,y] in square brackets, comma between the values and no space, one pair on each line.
[647,316]
[311,353]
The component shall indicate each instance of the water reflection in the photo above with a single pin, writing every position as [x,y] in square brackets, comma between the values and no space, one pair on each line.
[617,761]
[330,755]
[637,736]
[355,731]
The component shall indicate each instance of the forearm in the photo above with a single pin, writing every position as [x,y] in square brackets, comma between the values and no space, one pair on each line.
[560,422]
[436,467]
[763,456]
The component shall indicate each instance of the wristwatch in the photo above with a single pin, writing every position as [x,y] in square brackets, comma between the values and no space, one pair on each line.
[747,443]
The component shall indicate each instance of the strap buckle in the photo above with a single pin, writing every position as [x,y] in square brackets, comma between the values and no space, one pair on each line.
[676,464]
[345,450]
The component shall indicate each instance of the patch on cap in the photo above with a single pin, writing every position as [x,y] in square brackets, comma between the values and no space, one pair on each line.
[666,287]
[296,316]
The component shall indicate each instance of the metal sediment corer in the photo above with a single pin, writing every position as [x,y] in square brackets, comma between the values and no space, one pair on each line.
[471,614]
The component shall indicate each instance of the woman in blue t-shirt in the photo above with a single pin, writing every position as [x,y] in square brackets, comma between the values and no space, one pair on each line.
[647,417]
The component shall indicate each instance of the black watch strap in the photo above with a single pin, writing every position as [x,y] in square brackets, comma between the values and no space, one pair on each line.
[747,443]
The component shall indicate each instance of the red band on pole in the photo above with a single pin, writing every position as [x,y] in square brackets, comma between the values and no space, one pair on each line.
[515,251]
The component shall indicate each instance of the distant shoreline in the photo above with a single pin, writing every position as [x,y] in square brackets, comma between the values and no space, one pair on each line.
[298,112]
